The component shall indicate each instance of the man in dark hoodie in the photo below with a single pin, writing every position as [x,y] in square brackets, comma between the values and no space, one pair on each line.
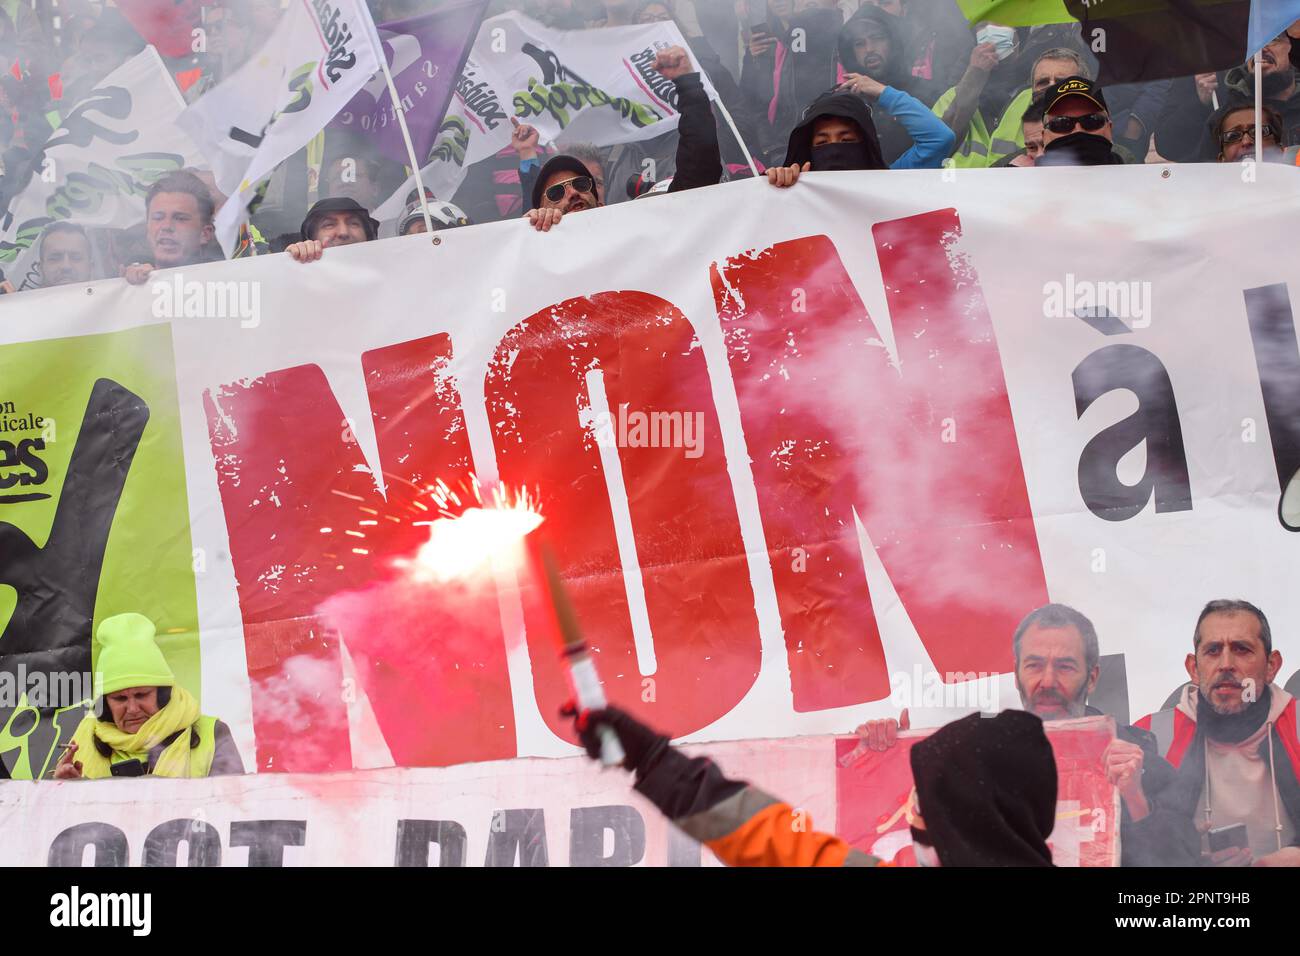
[837,133]
[339,221]
[871,46]
[1003,821]
[1077,130]
[873,42]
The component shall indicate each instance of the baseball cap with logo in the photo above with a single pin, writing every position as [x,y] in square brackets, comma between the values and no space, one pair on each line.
[1075,86]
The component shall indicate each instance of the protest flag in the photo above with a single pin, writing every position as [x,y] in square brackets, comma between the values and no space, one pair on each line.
[321,53]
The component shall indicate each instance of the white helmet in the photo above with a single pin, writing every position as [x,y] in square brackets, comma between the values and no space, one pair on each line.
[444,215]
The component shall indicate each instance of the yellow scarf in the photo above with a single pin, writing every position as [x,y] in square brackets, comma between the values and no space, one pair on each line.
[179,715]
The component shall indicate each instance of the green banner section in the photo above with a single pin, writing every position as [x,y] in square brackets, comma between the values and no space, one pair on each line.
[110,401]
[1016,13]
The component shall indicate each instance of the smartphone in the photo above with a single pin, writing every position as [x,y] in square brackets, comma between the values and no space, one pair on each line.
[1223,838]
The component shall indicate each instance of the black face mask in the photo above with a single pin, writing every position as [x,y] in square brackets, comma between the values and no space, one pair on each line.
[1084,149]
[837,156]
[1277,83]
[1233,728]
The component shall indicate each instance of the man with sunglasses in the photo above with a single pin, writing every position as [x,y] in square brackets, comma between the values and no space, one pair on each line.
[564,185]
[1076,126]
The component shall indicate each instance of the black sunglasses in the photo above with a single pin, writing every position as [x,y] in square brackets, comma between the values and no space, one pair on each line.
[1065,124]
[1231,136]
[580,184]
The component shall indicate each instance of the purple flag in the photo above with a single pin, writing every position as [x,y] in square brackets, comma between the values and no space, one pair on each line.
[425,55]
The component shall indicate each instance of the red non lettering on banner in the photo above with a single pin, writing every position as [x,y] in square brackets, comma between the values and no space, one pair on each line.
[313,541]
[916,444]
[693,568]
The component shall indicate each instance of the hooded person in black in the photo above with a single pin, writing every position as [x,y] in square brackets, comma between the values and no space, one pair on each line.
[838,132]
[871,43]
[863,49]
[986,791]
[865,153]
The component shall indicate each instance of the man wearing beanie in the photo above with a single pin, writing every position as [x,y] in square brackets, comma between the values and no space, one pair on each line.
[340,221]
[143,721]
[994,774]
[1235,739]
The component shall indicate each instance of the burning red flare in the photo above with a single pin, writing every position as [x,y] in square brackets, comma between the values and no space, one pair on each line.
[468,536]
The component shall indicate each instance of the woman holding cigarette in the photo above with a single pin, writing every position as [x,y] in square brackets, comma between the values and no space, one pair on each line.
[143,721]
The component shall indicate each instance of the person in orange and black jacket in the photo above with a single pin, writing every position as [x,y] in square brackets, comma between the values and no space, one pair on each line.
[985,795]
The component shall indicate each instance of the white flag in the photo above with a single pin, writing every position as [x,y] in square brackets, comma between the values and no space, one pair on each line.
[320,54]
[596,86]
[97,166]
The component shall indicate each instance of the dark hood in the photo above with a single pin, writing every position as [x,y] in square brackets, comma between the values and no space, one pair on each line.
[846,105]
[1241,82]
[986,787]
[854,28]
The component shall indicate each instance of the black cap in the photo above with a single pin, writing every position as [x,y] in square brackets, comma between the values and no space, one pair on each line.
[340,204]
[1074,86]
[563,163]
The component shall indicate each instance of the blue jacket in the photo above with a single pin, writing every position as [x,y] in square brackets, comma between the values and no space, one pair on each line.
[932,141]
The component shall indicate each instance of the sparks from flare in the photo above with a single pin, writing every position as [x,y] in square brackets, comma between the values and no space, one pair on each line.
[469,527]
[468,535]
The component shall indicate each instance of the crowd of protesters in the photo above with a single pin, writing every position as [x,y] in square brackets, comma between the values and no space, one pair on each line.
[812,85]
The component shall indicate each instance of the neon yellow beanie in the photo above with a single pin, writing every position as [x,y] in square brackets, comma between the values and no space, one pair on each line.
[128,655]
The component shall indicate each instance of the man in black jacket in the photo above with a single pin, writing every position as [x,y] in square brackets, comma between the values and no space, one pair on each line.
[872,44]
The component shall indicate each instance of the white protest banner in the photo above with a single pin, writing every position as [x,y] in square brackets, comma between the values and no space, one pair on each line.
[597,86]
[96,168]
[803,445]
[320,54]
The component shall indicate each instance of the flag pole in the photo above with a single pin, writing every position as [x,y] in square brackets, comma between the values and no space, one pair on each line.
[406,136]
[400,112]
[726,115]
[1259,106]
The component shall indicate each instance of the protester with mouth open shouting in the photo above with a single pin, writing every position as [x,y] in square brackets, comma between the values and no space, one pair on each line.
[178,226]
